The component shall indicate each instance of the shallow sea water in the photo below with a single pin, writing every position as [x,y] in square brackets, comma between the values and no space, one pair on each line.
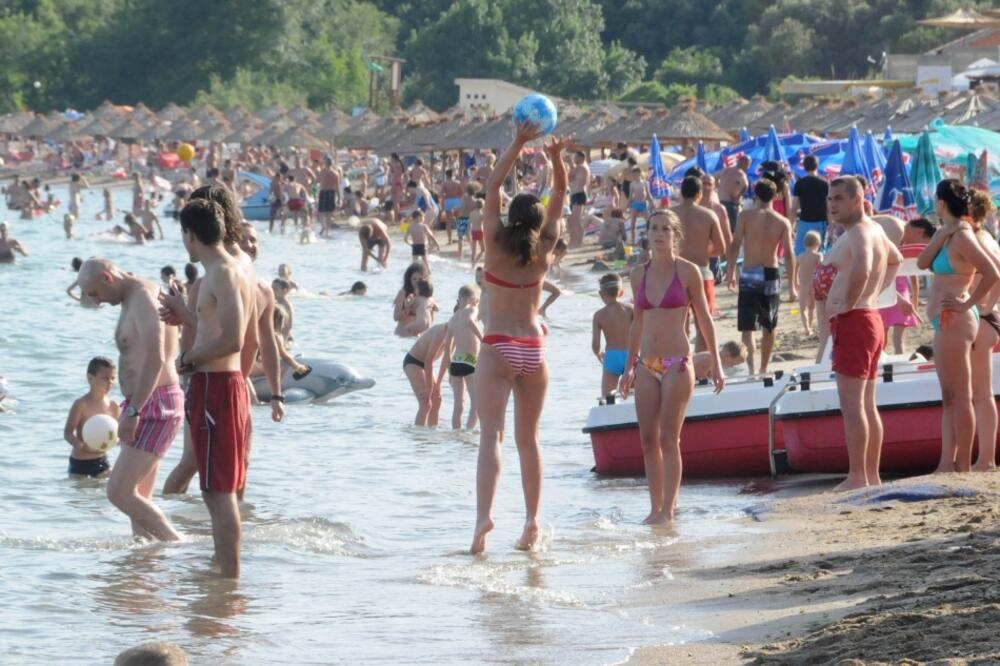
[356,523]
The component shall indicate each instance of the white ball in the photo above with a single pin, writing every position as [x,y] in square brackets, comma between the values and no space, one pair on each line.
[354,220]
[100,432]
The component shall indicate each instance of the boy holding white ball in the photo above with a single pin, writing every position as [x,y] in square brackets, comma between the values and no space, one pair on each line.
[84,460]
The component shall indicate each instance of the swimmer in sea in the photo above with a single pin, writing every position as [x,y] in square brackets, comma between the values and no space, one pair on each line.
[150,220]
[281,288]
[132,228]
[423,308]
[461,353]
[68,220]
[374,234]
[9,245]
[402,305]
[418,366]
[84,461]
[359,288]
[285,273]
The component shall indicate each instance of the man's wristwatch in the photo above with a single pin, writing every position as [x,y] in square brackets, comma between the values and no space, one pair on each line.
[132,412]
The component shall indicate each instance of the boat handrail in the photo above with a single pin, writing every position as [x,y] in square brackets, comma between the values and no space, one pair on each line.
[766,381]
[770,425]
[888,375]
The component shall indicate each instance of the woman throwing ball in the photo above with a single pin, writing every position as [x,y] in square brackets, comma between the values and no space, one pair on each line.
[659,358]
[518,254]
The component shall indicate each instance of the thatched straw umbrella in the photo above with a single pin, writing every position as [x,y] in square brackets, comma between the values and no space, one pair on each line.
[296,137]
[170,113]
[108,111]
[242,134]
[776,116]
[216,132]
[421,113]
[12,123]
[155,131]
[183,129]
[39,127]
[238,115]
[97,127]
[301,114]
[206,114]
[271,113]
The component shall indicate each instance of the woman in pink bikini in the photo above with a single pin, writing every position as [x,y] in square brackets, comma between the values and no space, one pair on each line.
[517,256]
[658,343]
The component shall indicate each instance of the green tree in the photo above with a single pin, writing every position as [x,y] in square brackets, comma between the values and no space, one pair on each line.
[689,65]
[656,92]
[250,89]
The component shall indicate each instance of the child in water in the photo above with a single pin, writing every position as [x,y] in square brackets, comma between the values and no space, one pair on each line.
[613,321]
[84,461]
[805,266]
[461,353]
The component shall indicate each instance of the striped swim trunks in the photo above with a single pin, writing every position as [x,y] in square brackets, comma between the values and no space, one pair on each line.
[159,420]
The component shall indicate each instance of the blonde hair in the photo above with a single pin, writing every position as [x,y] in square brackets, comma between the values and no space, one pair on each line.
[468,291]
[738,350]
[813,239]
[980,207]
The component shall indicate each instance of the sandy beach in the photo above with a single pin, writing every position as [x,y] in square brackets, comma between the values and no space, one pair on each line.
[843,581]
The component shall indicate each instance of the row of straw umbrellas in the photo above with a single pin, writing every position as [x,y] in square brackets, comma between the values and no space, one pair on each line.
[420,129]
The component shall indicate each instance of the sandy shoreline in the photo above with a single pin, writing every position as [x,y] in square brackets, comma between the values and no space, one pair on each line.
[836,580]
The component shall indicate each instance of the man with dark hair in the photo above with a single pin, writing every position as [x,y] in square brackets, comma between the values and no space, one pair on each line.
[217,400]
[579,180]
[809,204]
[758,301]
[329,194]
[694,171]
[702,239]
[710,200]
[866,262]
[733,184]
[917,231]
[452,192]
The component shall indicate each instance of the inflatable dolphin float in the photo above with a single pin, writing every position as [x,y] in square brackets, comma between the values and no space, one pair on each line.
[328,380]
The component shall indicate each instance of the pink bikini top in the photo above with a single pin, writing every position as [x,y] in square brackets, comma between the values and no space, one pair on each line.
[674,297]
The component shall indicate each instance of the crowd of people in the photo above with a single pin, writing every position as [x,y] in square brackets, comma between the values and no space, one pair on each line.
[188,347]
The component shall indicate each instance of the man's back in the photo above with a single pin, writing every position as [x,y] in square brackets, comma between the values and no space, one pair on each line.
[762,233]
[811,191]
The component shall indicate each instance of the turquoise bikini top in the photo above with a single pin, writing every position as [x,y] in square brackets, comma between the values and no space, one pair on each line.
[942,264]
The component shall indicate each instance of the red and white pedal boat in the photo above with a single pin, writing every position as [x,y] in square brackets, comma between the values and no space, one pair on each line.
[724,435]
[909,401]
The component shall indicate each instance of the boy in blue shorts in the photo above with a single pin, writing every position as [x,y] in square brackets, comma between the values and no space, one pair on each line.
[613,321]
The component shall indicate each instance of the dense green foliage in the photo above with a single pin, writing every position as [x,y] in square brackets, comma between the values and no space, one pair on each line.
[63,53]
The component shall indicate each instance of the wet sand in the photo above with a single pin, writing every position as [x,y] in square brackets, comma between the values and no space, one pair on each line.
[840,581]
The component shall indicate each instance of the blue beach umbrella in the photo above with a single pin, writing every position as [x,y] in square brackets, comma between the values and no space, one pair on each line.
[700,158]
[896,197]
[772,147]
[875,158]
[924,174]
[658,185]
[744,135]
[855,163]
[887,140]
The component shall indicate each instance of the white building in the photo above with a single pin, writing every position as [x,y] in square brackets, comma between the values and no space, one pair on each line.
[489,96]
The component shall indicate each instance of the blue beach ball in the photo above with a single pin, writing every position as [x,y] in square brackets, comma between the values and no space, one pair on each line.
[538,110]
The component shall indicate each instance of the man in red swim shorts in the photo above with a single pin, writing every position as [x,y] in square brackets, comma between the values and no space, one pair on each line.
[866,262]
[218,404]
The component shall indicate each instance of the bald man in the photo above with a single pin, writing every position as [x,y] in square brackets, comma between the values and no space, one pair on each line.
[153,409]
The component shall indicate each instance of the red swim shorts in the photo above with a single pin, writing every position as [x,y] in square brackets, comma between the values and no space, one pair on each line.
[858,339]
[710,296]
[477,234]
[218,408]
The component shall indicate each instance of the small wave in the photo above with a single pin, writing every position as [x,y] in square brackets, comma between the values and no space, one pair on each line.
[488,578]
[82,545]
[315,535]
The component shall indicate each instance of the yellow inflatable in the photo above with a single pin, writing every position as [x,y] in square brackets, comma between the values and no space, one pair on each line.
[186,152]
